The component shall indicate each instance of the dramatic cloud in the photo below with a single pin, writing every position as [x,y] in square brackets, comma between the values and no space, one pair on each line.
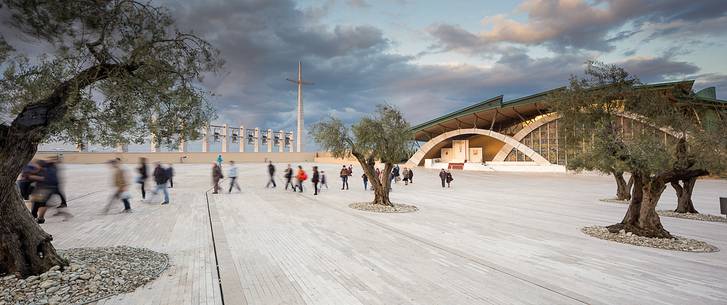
[581,25]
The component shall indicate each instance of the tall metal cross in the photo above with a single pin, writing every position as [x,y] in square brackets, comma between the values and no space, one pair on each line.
[300,84]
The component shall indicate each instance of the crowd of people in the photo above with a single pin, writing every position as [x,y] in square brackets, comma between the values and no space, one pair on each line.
[39,181]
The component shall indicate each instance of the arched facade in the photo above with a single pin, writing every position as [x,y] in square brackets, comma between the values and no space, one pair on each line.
[418,157]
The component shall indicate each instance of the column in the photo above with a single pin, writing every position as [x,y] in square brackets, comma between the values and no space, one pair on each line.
[223,134]
[270,140]
[242,138]
[205,139]
[154,144]
[281,142]
[292,141]
[122,147]
[256,145]
[182,145]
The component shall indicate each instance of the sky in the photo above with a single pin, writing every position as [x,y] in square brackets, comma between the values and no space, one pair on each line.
[432,57]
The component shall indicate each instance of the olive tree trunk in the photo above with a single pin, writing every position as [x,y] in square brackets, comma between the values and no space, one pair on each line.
[25,249]
[684,195]
[623,189]
[381,187]
[641,217]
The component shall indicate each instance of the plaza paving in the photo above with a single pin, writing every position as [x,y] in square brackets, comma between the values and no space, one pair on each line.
[494,238]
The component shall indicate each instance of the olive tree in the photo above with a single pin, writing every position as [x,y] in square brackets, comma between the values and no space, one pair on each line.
[385,137]
[590,108]
[110,72]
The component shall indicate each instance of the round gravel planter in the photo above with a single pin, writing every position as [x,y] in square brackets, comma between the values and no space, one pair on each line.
[692,216]
[614,200]
[676,244]
[93,274]
[397,208]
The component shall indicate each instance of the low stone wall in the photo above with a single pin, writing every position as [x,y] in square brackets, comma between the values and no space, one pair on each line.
[177,157]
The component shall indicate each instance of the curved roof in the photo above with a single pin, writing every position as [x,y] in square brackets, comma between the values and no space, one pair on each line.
[496,113]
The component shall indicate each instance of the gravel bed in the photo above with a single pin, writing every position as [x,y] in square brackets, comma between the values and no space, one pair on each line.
[615,200]
[677,244]
[397,208]
[693,216]
[92,274]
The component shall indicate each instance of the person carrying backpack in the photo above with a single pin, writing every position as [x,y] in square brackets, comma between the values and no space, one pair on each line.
[344,178]
[161,179]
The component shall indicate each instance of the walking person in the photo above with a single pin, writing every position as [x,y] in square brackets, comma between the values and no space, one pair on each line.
[53,181]
[411,175]
[170,174]
[219,161]
[161,179]
[395,173]
[323,179]
[350,170]
[271,172]
[121,186]
[25,182]
[216,177]
[288,177]
[449,178]
[443,177]
[365,181]
[344,178]
[405,174]
[232,173]
[143,175]
[40,195]
[315,179]
[301,176]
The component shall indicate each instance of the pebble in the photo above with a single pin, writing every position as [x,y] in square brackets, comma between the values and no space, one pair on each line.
[92,273]
[397,208]
[678,243]
[693,216]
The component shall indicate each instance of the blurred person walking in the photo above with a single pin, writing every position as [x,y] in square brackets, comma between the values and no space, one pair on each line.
[324,181]
[232,173]
[289,177]
[170,174]
[365,181]
[121,186]
[301,176]
[344,178]
[449,178]
[315,179]
[143,175]
[405,174]
[411,175]
[443,177]
[161,179]
[219,161]
[271,172]
[216,177]
[24,181]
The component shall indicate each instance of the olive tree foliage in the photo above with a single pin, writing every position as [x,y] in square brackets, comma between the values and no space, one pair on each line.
[123,67]
[590,109]
[384,137]
[106,72]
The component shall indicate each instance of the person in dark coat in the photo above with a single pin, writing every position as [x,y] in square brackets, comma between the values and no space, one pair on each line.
[216,177]
[449,178]
[411,175]
[161,179]
[289,178]
[271,172]
[143,175]
[315,179]
[443,177]
[365,181]
[170,175]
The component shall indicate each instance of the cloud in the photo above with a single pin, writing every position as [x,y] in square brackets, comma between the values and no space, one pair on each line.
[579,25]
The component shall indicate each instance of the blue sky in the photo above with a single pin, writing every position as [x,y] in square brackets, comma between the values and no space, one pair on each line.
[431,57]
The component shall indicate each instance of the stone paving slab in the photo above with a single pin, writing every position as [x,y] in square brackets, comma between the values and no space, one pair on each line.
[494,238]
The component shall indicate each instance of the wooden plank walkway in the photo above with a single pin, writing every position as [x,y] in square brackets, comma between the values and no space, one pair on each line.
[494,238]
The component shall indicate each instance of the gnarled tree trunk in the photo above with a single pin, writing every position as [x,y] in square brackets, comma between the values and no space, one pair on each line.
[684,195]
[25,249]
[381,187]
[641,218]
[623,189]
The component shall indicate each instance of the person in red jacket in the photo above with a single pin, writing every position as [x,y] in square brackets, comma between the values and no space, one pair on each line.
[301,176]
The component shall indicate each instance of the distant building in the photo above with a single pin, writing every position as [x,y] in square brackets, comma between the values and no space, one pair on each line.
[515,135]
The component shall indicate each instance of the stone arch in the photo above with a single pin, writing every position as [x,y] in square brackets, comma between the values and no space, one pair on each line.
[419,155]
